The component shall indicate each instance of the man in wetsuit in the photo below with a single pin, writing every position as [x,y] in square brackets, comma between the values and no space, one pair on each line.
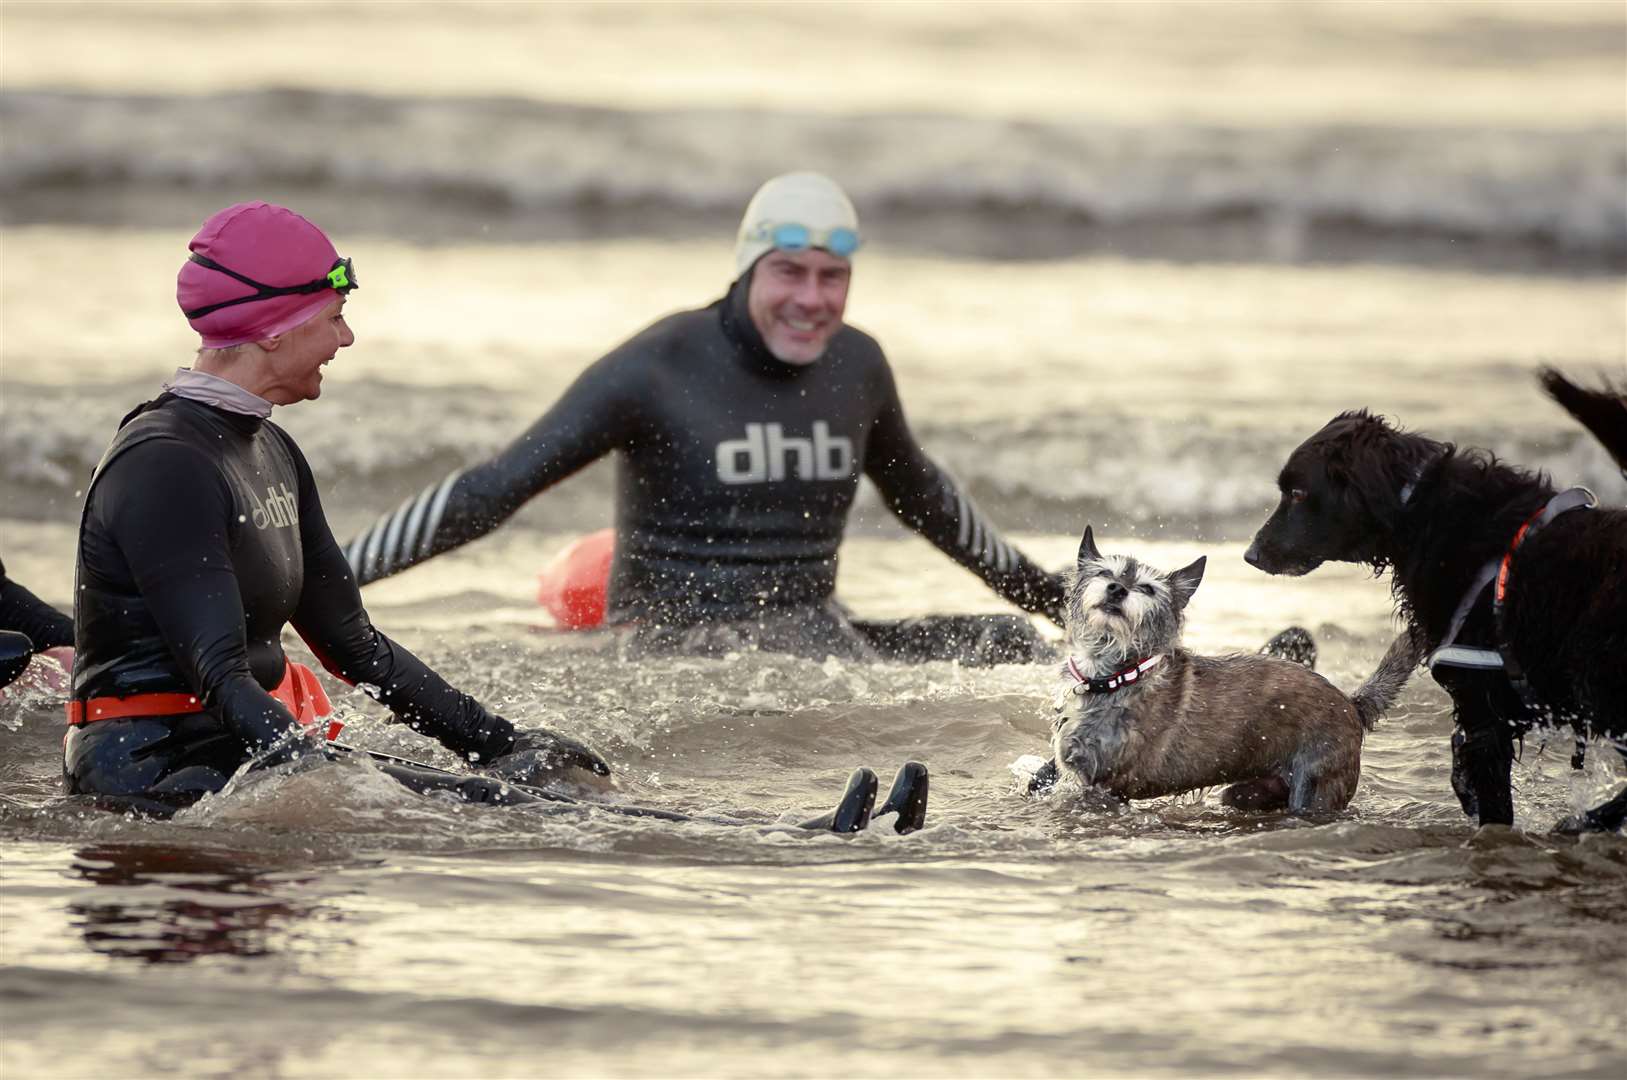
[743,429]
[202,536]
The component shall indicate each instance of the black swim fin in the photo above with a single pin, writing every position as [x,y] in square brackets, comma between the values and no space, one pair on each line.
[1044,778]
[907,798]
[852,814]
[1295,644]
[16,650]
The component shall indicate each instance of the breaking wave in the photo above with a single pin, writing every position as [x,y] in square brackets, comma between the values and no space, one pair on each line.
[491,169]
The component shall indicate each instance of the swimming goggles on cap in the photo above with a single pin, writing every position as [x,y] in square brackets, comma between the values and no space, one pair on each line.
[342,279]
[840,241]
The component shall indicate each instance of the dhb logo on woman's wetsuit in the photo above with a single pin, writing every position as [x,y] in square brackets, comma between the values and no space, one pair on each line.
[280,509]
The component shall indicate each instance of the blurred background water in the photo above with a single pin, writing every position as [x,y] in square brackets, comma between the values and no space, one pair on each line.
[1123,258]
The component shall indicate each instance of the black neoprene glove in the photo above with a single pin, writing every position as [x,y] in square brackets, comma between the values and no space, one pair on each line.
[302,747]
[539,753]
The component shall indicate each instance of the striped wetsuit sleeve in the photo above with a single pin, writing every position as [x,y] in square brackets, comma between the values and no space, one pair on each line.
[408,534]
[593,417]
[930,501]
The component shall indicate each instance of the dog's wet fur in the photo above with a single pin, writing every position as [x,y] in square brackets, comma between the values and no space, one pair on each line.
[1280,735]
[1566,608]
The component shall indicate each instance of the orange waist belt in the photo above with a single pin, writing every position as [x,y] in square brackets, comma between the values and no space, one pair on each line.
[299,692]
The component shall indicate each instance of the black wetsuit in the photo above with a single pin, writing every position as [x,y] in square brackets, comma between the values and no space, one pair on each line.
[202,537]
[734,480]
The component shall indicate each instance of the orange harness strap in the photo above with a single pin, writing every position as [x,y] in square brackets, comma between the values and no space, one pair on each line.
[300,693]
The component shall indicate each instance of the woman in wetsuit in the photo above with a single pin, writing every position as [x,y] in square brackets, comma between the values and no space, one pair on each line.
[203,536]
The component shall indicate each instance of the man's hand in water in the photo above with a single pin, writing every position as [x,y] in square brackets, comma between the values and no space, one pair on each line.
[538,754]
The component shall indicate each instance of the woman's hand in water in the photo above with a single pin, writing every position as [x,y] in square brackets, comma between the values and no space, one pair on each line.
[300,747]
[539,754]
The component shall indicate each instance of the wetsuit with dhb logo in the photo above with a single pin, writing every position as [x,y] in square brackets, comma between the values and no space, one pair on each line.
[202,537]
[734,480]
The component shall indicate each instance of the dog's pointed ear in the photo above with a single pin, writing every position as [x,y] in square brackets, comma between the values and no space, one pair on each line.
[1087,549]
[1184,582]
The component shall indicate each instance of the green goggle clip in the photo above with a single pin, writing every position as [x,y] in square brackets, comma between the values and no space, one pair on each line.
[342,279]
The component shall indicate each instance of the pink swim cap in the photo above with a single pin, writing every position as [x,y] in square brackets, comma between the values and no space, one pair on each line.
[268,244]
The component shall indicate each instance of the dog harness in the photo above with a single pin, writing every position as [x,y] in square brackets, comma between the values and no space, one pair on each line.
[1084,684]
[1496,575]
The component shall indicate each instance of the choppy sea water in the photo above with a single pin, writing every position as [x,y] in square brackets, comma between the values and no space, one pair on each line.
[1122,261]
[349,926]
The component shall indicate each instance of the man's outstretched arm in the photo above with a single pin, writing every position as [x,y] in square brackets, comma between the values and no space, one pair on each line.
[591,419]
[930,501]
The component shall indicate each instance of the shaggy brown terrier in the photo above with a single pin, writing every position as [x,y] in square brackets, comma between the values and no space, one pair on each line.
[1140,717]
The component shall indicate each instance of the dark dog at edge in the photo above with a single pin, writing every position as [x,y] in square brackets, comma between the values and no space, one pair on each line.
[1602,412]
[1445,522]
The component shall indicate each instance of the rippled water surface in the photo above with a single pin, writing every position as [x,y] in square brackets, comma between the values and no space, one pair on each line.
[330,923]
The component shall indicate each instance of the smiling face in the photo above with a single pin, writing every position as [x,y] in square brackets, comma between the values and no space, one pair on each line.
[796,302]
[294,367]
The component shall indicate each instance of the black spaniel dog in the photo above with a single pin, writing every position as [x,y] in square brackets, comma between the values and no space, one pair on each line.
[1517,594]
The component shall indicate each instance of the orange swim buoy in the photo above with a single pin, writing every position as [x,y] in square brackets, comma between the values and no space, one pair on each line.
[575,585]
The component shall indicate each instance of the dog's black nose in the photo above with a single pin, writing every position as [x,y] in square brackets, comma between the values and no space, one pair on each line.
[1252,555]
[1115,591]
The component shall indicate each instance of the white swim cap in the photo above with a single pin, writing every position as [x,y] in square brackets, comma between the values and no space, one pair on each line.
[807,199]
